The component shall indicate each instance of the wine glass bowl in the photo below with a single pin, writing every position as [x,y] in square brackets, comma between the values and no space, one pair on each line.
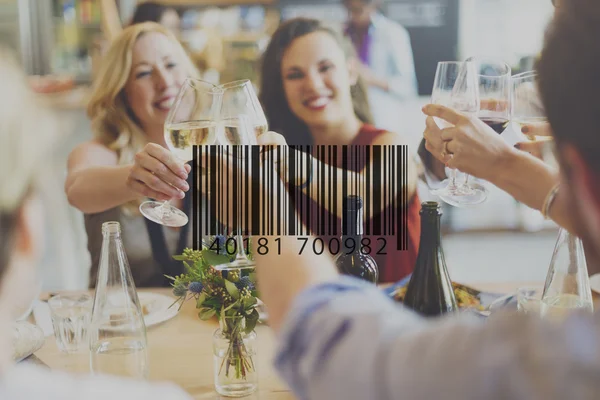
[526,105]
[456,86]
[191,121]
[494,80]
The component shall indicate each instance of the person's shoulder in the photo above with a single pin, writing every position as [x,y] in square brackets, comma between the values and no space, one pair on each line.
[370,134]
[28,382]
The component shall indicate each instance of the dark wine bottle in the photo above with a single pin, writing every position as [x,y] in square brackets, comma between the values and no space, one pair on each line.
[353,259]
[430,291]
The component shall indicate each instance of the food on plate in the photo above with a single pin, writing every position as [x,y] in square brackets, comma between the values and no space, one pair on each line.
[466,297]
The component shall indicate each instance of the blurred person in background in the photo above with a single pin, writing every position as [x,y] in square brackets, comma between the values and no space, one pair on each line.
[150,11]
[386,59]
[340,338]
[23,155]
[109,175]
[312,94]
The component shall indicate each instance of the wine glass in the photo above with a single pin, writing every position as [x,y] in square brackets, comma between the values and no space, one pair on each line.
[527,106]
[241,121]
[191,121]
[494,94]
[456,86]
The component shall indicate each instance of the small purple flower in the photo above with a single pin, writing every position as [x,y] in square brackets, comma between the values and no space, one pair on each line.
[196,287]
[179,290]
[245,282]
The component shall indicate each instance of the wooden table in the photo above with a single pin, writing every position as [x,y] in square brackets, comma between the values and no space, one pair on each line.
[180,351]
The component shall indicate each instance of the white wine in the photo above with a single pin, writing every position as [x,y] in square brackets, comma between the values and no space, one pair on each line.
[557,307]
[234,135]
[181,137]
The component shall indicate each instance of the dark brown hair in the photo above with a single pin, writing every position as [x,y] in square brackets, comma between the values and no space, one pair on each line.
[148,12]
[280,117]
[569,80]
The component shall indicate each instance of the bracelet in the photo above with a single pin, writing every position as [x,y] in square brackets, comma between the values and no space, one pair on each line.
[549,200]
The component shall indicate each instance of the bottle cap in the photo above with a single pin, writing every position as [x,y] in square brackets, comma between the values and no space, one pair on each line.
[111,227]
[353,202]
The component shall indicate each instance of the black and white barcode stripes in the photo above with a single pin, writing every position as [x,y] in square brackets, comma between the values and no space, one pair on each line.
[237,186]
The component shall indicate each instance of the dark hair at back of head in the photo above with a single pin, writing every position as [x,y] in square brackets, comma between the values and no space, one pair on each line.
[8,224]
[280,117]
[148,12]
[569,80]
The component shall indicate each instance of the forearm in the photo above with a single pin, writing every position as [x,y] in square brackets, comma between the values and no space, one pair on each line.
[529,180]
[283,276]
[97,189]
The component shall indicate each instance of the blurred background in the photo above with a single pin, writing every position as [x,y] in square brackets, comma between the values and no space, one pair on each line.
[60,43]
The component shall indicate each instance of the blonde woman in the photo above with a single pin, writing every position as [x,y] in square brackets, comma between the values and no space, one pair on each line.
[23,155]
[127,159]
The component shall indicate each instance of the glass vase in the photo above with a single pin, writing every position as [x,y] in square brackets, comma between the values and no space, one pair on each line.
[234,352]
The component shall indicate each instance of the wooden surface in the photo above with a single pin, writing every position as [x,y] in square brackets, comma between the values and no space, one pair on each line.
[180,350]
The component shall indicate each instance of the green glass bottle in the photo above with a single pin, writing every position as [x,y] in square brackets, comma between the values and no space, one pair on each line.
[352,259]
[430,291]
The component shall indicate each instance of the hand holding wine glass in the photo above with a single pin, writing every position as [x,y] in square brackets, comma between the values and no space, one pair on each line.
[191,121]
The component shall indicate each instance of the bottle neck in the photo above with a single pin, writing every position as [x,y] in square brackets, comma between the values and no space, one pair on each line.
[430,230]
[353,224]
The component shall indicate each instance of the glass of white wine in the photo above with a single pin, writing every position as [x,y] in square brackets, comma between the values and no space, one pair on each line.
[241,121]
[527,108]
[191,121]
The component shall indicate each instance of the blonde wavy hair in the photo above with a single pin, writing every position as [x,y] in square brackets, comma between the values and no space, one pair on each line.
[113,122]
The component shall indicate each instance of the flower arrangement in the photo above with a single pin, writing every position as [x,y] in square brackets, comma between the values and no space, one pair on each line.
[231,296]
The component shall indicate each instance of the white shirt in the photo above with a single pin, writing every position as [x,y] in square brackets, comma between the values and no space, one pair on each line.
[390,57]
[24,382]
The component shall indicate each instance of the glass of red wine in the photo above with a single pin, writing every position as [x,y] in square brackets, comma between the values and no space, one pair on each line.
[494,93]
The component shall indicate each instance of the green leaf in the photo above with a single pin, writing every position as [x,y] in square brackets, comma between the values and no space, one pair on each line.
[231,306]
[252,277]
[232,289]
[250,302]
[179,258]
[212,258]
[200,300]
[251,321]
[206,314]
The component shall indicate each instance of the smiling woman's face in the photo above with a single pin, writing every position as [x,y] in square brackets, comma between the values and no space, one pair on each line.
[156,75]
[317,80]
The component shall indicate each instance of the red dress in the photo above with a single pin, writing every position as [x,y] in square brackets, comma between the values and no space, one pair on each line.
[396,264]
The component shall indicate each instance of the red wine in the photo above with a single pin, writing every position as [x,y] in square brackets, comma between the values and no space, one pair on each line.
[430,291]
[352,259]
[497,124]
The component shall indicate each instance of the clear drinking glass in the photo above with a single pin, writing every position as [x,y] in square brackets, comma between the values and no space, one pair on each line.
[191,121]
[71,316]
[456,86]
[241,122]
[528,300]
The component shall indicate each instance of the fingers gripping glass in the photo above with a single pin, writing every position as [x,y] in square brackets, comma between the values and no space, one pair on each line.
[191,121]
[241,122]
[456,86]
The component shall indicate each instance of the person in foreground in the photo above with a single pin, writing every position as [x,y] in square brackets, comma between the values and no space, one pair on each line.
[21,244]
[340,338]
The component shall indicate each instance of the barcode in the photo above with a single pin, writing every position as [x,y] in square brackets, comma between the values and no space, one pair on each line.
[238,187]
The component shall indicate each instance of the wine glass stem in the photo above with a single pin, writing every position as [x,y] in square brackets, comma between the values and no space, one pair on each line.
[453,178]
[241,254]
[165,208]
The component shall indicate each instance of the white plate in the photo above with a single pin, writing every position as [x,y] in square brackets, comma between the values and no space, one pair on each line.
[157,306]
[595,283]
